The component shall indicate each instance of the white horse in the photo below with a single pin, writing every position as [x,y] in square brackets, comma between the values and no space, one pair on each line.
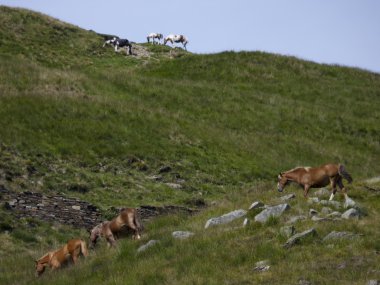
[154,36]
[176,39]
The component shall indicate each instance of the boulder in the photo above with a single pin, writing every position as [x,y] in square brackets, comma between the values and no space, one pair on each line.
[174,185]
[319,219]
[322,192]
[340,235]
[351,214]
[326,210]
[313,200]
[147,245]
[299,237]
[182,234]
[261,266]
[313,212]
[274,211]
[349,203]
[335,214]
[287,197]
[227,218]
[256,205]
[295,219]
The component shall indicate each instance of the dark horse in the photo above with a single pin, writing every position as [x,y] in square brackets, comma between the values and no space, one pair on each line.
[315,177]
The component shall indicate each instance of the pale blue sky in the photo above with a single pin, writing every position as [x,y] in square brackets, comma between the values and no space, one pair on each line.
[345,32]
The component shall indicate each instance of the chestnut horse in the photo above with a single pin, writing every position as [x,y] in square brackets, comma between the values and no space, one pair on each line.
[111,230]
[315,177]
[55,259]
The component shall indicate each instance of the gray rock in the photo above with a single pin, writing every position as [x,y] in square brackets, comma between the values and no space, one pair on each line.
[373,282]
[256,205]
[299,237]
[155,177]
[319,219]
[227,218]
[313,200]
[334,214]
[349,203]
[174,185]
[76,207]
[322,192]
[147,245]
[295,219]
[287,197]
[288,231]
[313,212]
[340,235]
[351,214]
[274,211]
[12,203]
[182,234]
[335,204]
[326,211]
[261,266]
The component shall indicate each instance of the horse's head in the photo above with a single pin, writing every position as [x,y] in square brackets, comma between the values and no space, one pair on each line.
[282,182]
[160,36]
[94,234]
[41,264]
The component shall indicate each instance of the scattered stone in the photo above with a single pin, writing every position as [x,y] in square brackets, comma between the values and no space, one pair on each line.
[262,266]
[227,218]
[155,177]
[76,207]
[12,203]
[174,185]
[287,197]
[335,204]
[295,219]
[288,231]
[326,211]
[322,192]
[313,212]
[313,200]
[349,203]
[256,205]
[274,211]
[182,234]
[245,222]
[319,219]
[373,282]
[351,214]
[340,235]
[298,237]
[147,245]
[334,214]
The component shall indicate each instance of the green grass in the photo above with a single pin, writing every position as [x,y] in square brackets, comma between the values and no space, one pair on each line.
[75,116]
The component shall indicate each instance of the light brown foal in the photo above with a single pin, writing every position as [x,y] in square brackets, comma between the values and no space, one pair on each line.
[55,259]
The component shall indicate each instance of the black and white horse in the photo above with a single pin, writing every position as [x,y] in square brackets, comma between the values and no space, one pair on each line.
[153,36]
[176,39]
[119,43]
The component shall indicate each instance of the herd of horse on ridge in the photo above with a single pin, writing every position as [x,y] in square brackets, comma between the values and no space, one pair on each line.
[128,218]
[118,43]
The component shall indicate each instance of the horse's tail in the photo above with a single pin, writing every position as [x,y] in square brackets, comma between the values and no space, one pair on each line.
[83,248]
[343,172]
[137,220]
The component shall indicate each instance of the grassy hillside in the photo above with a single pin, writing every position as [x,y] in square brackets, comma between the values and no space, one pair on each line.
[77,114]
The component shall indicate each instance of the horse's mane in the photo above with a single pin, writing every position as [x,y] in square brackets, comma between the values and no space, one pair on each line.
[42,258]
[294,169]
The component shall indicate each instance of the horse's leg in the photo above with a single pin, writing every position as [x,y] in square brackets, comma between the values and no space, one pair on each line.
[131,224]
[341,186]
[333,181]
[305,190]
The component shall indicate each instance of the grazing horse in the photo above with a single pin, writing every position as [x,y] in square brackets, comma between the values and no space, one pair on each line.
[118,43]
[176,39]
[154,36]
[315,177]
[55,259]
[110,230]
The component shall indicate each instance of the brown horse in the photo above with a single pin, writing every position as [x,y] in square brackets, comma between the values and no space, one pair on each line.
[110,230]
[316,177]
[55,259]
